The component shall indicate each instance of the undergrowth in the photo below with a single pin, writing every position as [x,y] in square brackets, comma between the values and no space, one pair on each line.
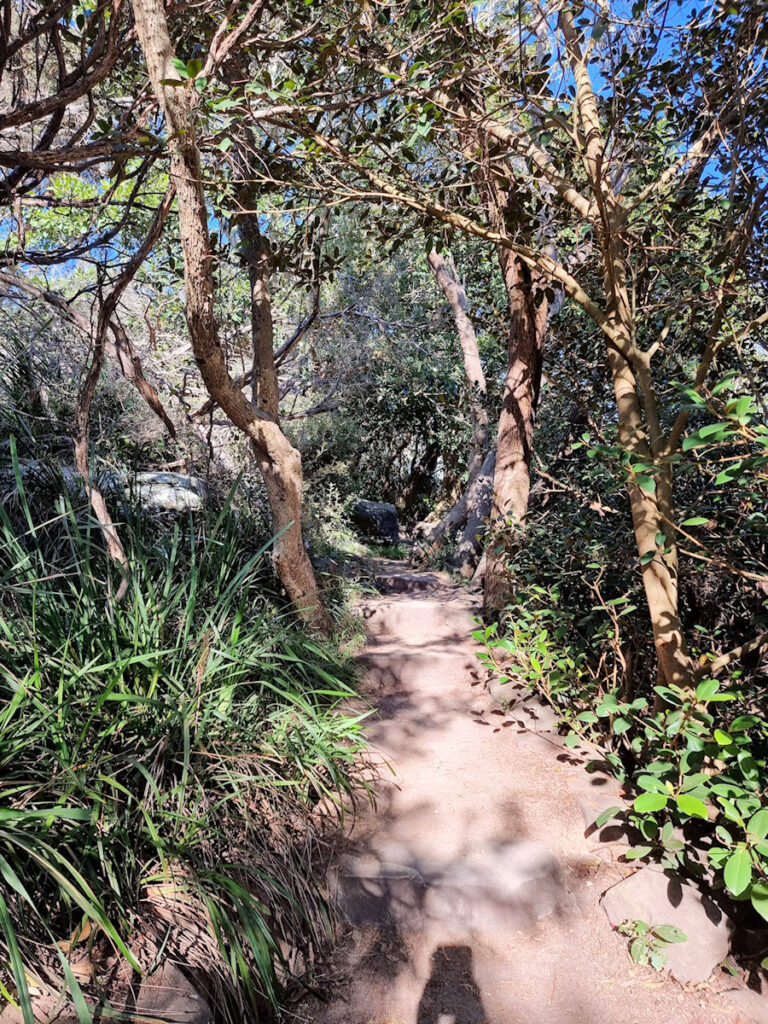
[165,762]
[694,759]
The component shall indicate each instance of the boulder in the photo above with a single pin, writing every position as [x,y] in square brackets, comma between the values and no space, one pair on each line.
[752,1006]
[170,996]
[172,492]
[498,888]
[377,520]
[653,896]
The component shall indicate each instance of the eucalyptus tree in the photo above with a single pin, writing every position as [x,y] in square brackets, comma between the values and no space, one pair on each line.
[473,507]
[79,103]
[621,134]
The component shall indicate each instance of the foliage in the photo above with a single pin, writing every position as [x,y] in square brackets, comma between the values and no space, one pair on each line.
[648,945]
[164,755]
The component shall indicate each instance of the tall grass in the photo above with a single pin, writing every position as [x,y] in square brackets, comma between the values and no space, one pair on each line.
[162,762]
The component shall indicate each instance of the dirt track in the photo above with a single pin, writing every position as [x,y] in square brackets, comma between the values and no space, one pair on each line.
[472,894]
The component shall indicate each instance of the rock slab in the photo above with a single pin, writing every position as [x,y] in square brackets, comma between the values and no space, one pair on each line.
[500,887]
[753,1006]
[658,898]
[377,520]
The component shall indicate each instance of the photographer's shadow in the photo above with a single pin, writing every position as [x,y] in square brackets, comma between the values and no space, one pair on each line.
[451,995]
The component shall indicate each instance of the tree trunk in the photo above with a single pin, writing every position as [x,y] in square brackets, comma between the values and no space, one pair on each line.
[640,432]
[514,445]
[278,460]
[421,473]
[471,544]
[449,284]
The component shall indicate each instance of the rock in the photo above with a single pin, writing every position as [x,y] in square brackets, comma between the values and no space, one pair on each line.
[173,492]
[657,898]
[752,1006]
[159,490]
[169,996]
[406,582]
[595,794]
[384,893]
[422,529]
[377,520]
[500,887]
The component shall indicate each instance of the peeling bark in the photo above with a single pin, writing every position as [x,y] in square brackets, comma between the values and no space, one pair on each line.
[528,311]
[470,546]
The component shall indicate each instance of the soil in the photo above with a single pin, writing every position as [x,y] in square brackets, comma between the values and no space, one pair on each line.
[471,892]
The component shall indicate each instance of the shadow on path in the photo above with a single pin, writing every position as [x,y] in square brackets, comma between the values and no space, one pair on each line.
[451,995]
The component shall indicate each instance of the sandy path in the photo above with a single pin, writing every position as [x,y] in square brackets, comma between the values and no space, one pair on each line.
[472,893]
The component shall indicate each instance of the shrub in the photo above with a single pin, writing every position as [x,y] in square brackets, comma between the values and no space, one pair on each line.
[163,760]
[696,759]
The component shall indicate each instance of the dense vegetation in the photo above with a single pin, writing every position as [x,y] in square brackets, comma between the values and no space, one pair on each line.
[503,266]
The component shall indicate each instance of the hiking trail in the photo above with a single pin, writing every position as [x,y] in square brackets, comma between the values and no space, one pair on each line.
[471,893]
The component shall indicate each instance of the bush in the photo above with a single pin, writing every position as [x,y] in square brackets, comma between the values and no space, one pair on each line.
[163,761]
[696,760]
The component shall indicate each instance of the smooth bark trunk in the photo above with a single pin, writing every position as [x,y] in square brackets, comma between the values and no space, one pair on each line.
[456,296]
[470,546]
[640,431]
[278,460]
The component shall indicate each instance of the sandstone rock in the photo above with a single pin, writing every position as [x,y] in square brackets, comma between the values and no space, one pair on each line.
[501,887]
[406,582]
[169,996]
[753,1006]
[173,492]
[657,898]
[377,520]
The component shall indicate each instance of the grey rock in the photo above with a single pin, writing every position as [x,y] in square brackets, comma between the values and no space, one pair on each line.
[657,898]
[173,492]
[753,1006]
[377,520]
[406,582]
[503,887]
[169,996]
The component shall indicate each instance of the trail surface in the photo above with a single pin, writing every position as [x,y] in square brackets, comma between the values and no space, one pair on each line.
[472,893]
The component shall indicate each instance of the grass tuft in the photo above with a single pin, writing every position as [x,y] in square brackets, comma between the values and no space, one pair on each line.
[163,762]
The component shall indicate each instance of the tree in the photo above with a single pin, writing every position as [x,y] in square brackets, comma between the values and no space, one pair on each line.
[597,160]
[471,503]
[278,460]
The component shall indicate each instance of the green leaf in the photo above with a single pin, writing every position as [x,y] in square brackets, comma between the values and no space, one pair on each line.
[669,933]
[636,852]
[692,806]
[606,815]
[587,716]
[16,962]
[738,871]
[637,950]
[706,689]
[744,722]
[645,483]
[758,894]
[724,739]
[707,435]
[758,824]
[650,802]
[695,521]
[620,725]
